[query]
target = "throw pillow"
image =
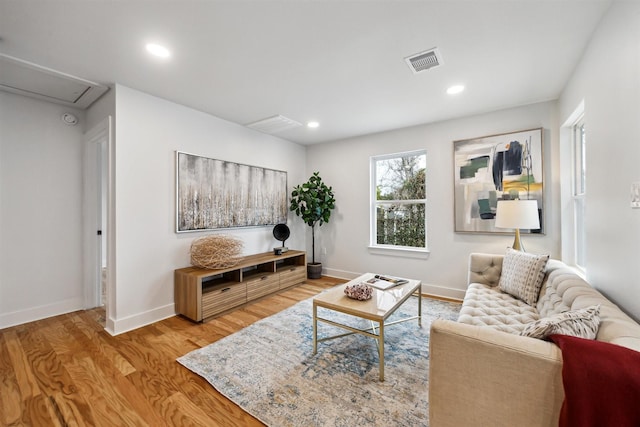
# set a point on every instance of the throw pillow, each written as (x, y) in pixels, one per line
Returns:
(582, 323)
(522, 275)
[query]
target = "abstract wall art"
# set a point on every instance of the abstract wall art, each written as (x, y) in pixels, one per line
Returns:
(496, 167)
(213, 194)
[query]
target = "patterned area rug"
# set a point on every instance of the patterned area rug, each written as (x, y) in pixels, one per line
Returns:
(269, 370)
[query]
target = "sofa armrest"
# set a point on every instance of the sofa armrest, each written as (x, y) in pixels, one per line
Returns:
(485, 269)
(479, 376)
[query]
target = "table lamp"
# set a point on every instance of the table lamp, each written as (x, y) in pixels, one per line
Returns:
(517, 214)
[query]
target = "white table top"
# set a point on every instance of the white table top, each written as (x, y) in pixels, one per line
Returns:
(381, 305)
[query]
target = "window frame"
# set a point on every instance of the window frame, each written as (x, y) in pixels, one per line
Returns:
(387, 249)
(578, 190)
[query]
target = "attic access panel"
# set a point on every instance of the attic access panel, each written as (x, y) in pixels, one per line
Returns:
(274, 124)
(28, 79)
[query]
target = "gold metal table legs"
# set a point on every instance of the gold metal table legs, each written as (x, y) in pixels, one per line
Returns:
(369, 332)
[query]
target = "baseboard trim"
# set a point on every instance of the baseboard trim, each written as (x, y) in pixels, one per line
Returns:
(442, 292)
(135, 321)
(427, 288)
(340, 274)
(41, 312)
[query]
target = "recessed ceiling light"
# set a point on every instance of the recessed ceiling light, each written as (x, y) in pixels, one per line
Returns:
(453, 90)
(158, 50)
(313, 124)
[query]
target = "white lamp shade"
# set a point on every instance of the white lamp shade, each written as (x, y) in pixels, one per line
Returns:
(517, 214)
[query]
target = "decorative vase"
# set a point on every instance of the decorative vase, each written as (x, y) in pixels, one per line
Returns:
(314, 270)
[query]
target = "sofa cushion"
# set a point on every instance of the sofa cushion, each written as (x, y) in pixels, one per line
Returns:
(550, 302)
(522, 275)
(582, 323)
(485, 305)
(485, 269)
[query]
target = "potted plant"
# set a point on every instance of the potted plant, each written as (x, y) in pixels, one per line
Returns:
(313, 201)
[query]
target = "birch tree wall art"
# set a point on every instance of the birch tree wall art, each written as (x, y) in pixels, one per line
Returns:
(213, 194)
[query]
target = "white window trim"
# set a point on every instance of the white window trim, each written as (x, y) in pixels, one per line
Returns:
(392, 250)
(401, 251)
(567, 218)
(575, 194)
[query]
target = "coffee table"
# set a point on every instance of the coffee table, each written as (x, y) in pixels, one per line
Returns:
(377, 309)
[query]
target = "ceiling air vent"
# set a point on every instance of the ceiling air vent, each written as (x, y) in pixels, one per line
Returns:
(28, 79)
(274, 124)
(424, 61)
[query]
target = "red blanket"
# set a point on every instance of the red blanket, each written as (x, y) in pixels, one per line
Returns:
(601, 383)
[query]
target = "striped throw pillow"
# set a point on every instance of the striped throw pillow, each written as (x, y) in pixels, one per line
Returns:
(581, 323)
(522, 275)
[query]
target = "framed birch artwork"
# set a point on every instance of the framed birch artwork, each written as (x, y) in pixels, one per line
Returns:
(212, 194)
(496, 167)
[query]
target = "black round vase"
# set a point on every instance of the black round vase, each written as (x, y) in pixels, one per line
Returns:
(314, 270)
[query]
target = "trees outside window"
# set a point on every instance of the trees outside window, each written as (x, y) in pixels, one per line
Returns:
(399, 200)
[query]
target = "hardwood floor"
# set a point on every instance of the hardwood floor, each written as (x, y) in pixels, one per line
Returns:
(66, 370)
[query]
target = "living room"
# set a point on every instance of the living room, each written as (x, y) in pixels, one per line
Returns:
(148, 130)
(42, 219)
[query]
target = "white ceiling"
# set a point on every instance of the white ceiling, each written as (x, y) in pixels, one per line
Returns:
(338, 62)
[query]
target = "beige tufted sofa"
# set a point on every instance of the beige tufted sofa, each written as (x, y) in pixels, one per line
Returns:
(482, 373)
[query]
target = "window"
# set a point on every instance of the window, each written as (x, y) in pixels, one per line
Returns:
(579, 190)
(399, 201)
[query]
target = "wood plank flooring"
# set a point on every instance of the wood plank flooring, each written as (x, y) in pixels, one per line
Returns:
(67, 371)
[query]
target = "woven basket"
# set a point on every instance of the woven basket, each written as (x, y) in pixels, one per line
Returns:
(217, 251)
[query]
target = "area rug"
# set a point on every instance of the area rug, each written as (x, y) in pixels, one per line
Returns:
(269, 369)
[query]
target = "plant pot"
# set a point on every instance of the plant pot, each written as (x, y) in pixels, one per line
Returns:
(314, 270)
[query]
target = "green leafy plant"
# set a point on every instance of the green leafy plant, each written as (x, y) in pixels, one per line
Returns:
(313, 201)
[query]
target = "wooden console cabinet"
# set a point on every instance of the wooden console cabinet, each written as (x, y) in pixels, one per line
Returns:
(201, 293)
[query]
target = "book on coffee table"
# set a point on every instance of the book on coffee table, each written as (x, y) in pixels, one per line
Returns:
(385, 282)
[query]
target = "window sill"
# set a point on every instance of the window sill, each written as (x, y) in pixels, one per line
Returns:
(405, 252)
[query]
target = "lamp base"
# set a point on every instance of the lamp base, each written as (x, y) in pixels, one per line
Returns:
(517, 244)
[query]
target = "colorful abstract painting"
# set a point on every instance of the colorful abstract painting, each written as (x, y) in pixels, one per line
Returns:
(496, 167)
(214, 194)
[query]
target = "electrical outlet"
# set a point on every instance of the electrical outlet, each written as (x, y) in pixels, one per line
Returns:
(324, 251)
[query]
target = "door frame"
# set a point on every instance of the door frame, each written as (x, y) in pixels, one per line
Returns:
(97, 149)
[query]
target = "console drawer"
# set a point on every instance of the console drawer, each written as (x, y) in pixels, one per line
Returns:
(223, 297)
(292, 275)
(261, 284)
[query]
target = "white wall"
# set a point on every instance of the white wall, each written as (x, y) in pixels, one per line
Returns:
(40, 210)
(608, 80)
(148, 132)
(345, 166)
